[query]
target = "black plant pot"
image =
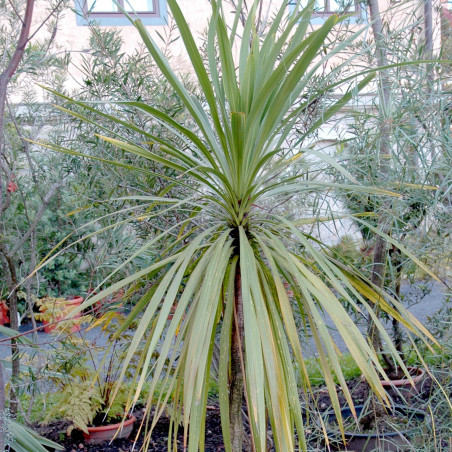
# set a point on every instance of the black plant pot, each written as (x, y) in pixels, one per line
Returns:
(374, 442)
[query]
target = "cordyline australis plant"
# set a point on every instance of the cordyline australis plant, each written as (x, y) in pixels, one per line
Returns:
(228, 273)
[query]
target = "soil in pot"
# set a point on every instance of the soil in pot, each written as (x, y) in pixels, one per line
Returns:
(392, 433)
(75, 442)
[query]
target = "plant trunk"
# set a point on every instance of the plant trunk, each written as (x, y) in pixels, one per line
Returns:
(15, 361)
(8, 73)
(397, 265)
(29, 286)
(2, 410)
(236, 378)
(379, 257)
(7, 260)
(377, 277)
(9, 269)
(428, 32)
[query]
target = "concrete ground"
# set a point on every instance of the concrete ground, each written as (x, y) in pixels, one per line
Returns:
(422, 301)
(421, 306)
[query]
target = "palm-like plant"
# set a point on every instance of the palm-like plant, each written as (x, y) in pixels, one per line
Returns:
(229, 268)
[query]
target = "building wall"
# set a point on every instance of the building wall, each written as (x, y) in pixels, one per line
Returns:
(74, 37)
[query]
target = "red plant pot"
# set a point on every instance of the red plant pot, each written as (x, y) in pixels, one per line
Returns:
(72, 303)
(97, 307)
(3, 313)
(47, 327)
(100, 307)
(97, 435)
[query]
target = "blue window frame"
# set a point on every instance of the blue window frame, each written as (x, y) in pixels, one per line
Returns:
(106, 12)
(325, 8)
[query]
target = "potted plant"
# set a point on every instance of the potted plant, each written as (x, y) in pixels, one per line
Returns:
(232, 252)
(52, 312)
(86, 389)
(85, 400)
(391, 143)
(398, 384)
(392, 435)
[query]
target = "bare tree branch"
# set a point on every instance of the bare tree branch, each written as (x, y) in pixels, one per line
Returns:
(17, 14)
(46, 19)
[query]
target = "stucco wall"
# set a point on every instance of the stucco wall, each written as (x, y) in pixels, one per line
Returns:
(74, 37)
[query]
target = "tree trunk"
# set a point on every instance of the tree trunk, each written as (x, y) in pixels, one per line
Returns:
(236, 378)
(428, 31)
(15, 362)
(377, 277)
(9, 270)
(16, 57)
(397, 330)
(379, 257)
(29, 287)
(2, 410)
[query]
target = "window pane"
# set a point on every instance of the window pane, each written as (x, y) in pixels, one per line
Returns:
(97, 6)
(334, 5)
(319, 6)
(304, 3)
(343, 5)
(139, 5)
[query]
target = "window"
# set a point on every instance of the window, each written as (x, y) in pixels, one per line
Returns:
(106, 12)
(325, 8)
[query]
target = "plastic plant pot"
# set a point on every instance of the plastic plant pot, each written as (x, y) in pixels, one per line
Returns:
(393, 441)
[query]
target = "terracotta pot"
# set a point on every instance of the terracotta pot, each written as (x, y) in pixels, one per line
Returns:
(74, 301)
(71, 303)
(367, 442)
(3, 313)
(172, 312)
(99, 308)
(97, 435)
(403, 386)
